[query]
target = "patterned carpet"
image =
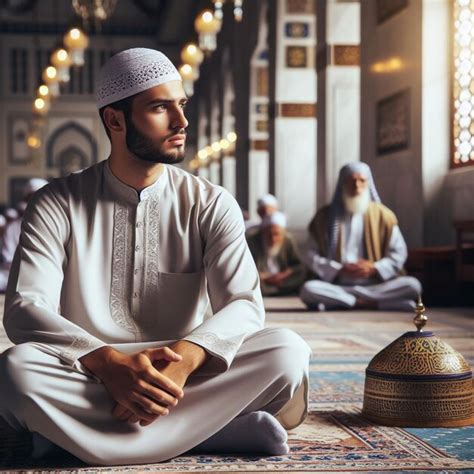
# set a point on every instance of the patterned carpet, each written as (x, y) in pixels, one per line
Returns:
(335, 438)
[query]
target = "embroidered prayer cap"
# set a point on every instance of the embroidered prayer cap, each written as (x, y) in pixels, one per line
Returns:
(276, 218)
(133, 71)
(337, 210)
(267, 200)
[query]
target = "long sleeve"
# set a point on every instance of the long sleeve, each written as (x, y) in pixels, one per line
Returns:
(325, 268)
(392, 263)
(35, 283)
(232, 283)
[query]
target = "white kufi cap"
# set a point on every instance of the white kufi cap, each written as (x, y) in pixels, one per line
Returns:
(267, 200)
(276, 218)
(132, 71)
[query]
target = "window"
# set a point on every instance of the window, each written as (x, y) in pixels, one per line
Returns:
(463, 84)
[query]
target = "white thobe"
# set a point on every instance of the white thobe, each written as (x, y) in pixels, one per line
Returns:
(100, 264)
(388, 289)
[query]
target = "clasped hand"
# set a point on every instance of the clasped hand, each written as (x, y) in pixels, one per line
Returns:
(142, 392)
(361, 269)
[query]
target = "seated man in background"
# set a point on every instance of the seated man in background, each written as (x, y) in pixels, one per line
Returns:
(274, 251)
(11, 234)
(266, 206)
(357, 250)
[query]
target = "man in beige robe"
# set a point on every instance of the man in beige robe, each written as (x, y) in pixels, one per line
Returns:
(357, 250)
(114, 360)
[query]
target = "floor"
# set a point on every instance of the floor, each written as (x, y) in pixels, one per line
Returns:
(344, 342)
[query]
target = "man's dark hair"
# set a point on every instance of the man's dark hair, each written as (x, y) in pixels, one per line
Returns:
(124, 105)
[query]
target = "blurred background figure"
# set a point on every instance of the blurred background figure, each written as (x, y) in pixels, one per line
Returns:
(357, 250)
(11, 234)
(276, 256)
(266, 206)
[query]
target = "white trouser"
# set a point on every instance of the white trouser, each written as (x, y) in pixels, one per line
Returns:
(73, 410)
(391, 294)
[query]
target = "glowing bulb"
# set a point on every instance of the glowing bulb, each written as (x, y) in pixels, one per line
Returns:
(191, 49)
(43, 90)
(40, 104)
(224, 144)
(207, 17)
(202, 154)
(51, 72)
(75, 33)
(62, 55)
(232, 137)
(209, 150)
(33, 141)
(216, 146)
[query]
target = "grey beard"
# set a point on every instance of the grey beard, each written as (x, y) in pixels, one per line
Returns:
(357, 204)
(145, 149)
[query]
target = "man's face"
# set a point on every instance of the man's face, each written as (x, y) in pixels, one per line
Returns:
(266, 210)
(274, 235)
(156, 126)
(355, 184)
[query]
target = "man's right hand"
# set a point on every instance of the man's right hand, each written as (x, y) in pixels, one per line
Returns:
(132, 380)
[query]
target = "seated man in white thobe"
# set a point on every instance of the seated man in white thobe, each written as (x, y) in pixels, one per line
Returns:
(357, 250)
(276, 256)
(11, 234)
(114, 360)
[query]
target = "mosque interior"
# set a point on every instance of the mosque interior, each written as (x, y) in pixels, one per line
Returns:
(283, 94)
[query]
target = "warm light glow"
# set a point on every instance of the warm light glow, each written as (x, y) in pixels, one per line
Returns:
(390, 65)
(43, 90)
(216, 147)
(209, 150)
(463, 83)
(51, 72)
(191, 49)
(33, 141)
(194, 164)
(202, 154)
(232, 137)
(192, 55)
(62, 55)
(207, 16)
(224, 144)
(40, 104)
(75, 33)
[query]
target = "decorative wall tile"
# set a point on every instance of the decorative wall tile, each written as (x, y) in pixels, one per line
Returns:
(259, 145)
(301, 6)
(262, 81)
(296, 29)
(296, 56)
(297, 110)
(261, 109)
(261, 125)
(346, 55)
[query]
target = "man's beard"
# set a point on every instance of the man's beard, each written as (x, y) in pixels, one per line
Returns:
(357, 204)
(144, 148)
(272, 251)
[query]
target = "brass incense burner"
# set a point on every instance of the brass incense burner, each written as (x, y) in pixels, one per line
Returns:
(419, 381)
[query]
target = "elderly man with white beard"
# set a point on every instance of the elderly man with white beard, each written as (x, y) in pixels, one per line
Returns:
(357, 250)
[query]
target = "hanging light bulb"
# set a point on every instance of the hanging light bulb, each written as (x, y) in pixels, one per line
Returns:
(238, 10)
(61, 60)
(50, 78)
(207, 26)
(76, 41)
(41, 106)
(191, 54)
(218, 12)
(189, 75)
(232, 137)
(43, 91)
(33, 140)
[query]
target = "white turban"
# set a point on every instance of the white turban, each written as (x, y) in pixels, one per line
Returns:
(267, 200)
(11, 213)
(276, 218)
(33, 185)
(132, 71)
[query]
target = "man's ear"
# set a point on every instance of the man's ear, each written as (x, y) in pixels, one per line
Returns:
(114, 119)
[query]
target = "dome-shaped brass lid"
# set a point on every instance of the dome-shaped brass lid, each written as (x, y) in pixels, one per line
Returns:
(418, 355)
(419, 380)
